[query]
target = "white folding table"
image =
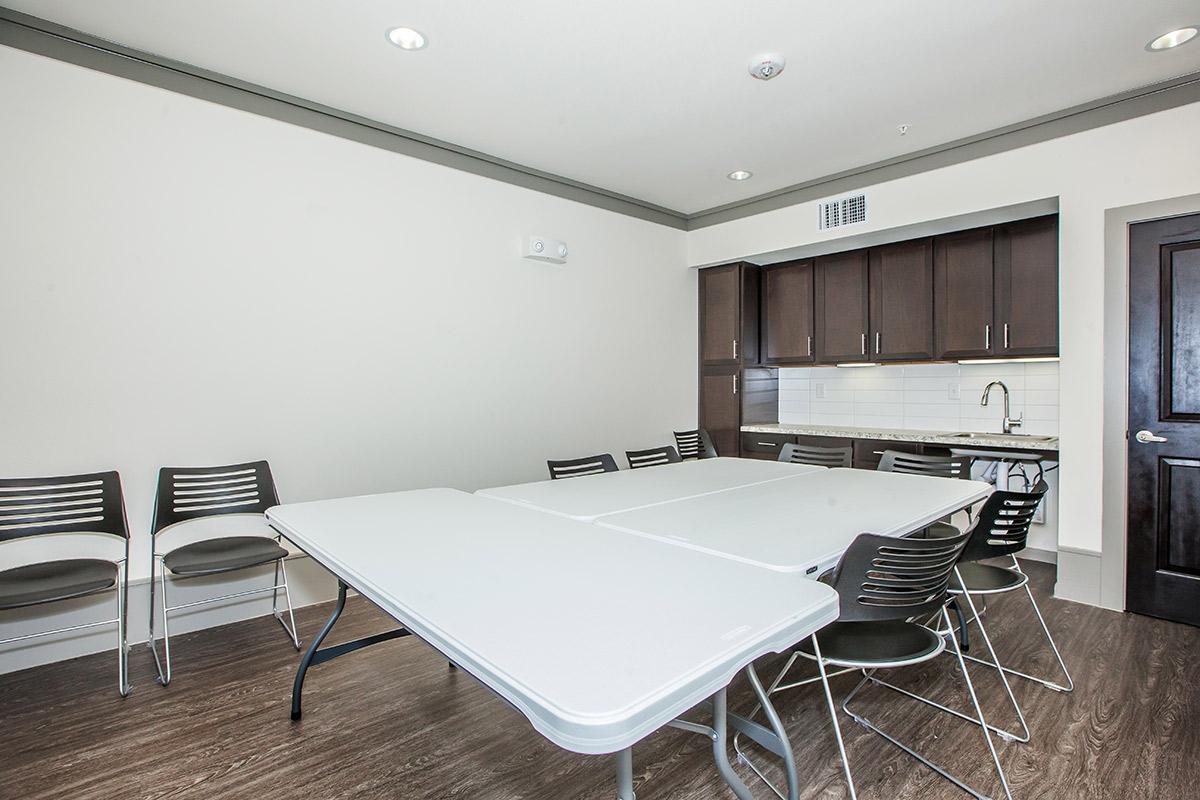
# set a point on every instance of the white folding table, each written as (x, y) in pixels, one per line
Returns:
(801, 524)
(597, 637)
(586, 499)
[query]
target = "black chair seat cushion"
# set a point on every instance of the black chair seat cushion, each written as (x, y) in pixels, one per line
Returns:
(55, 580)
(875, 643)
(223, 555)
(984, 578)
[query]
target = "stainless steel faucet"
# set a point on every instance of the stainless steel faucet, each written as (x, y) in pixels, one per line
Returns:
(1009, 422)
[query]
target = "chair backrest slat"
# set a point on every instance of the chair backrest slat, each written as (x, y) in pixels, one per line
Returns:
(816, 456)
(653, 457)
(887, 578)
(186, 493)
(694, 444)
(579, 467)
(91, 503)
(1002, 525)
(948, 466)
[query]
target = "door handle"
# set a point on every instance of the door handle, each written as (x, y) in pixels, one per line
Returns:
(735, 384)
(1146, 437)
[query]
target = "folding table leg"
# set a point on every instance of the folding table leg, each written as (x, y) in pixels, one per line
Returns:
(306, 662)
(625, 775)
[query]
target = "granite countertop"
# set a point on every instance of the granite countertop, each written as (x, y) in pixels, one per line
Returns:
(994, 440)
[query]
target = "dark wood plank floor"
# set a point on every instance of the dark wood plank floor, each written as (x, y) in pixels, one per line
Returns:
(394, 722)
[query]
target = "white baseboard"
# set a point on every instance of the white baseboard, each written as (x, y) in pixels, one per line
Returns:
(1078, 576)
(1038, 554)
(308, 583)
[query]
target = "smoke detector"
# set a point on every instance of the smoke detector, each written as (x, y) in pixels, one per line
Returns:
(767, 66)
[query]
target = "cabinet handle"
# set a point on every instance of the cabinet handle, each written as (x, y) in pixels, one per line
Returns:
(735, 348)
(735, 384)
(769, 444)
(877, 335)
(1006, 336)
(864, 343)
(810, 345)
(987, 337)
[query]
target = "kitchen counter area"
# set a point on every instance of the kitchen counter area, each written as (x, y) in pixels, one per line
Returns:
(1002, 441)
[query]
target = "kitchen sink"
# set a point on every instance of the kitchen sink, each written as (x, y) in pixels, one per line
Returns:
(1029, 436)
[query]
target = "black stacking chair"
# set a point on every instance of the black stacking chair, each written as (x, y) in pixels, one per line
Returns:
(81, 506)
(884, 584)
(1000, 531)
(816, 456)
(186, 494)
(694, 444)
(578, 467)
(948, 466)
(653, 457)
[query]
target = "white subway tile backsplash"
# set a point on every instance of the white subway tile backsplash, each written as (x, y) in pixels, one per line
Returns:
(921, 396)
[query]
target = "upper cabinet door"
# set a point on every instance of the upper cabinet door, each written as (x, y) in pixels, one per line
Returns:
(901, 280)
(962, 295)
(1027, 288)
(720, 314)
(788, 313)
(841, 307)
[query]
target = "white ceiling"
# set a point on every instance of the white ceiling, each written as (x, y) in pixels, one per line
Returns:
(652, 99)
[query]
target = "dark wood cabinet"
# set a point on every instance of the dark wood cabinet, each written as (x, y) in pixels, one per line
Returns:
(729, 315)
(733, 389)
(721, 407)
(841, 307)
(787, 313)
(962, 295)
(901, 301)
(720, 314)
(1026, 288)
(764, 446)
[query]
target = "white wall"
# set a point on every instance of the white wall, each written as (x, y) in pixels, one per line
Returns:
(182, 283)
(1143, 159)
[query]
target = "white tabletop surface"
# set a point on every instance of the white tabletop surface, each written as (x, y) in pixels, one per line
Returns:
(594, 496)
(598, 637)
(801, 524)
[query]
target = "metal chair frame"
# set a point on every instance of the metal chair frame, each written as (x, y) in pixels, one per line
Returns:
(165, 519)
(1000, 529)
(882, 578)
(74, 516)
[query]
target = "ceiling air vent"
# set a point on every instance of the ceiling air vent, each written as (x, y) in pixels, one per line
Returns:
(841, 211)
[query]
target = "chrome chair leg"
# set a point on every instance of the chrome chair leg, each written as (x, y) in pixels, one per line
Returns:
(1005, 734)
(280, 567)
(163, 666)
(1049, 684)
(980, 720)
(837, 728)
(122, 588)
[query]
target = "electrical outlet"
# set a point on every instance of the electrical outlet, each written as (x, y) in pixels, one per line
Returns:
(819, 391)
(1039, 516)
(952, 391)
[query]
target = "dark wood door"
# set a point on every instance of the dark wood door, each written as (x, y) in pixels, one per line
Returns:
(720, 314)
(962, 294)
(1163, 552)
(901, 307)
(1026, 281)
(788, 313)
(841, 307)
(721, 409)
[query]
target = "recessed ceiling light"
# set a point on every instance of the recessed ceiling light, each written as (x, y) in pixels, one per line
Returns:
(740, 175)
(407, 38)
(1172, 39)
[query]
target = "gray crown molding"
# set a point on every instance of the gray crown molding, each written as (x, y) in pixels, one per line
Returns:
(35, 35)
